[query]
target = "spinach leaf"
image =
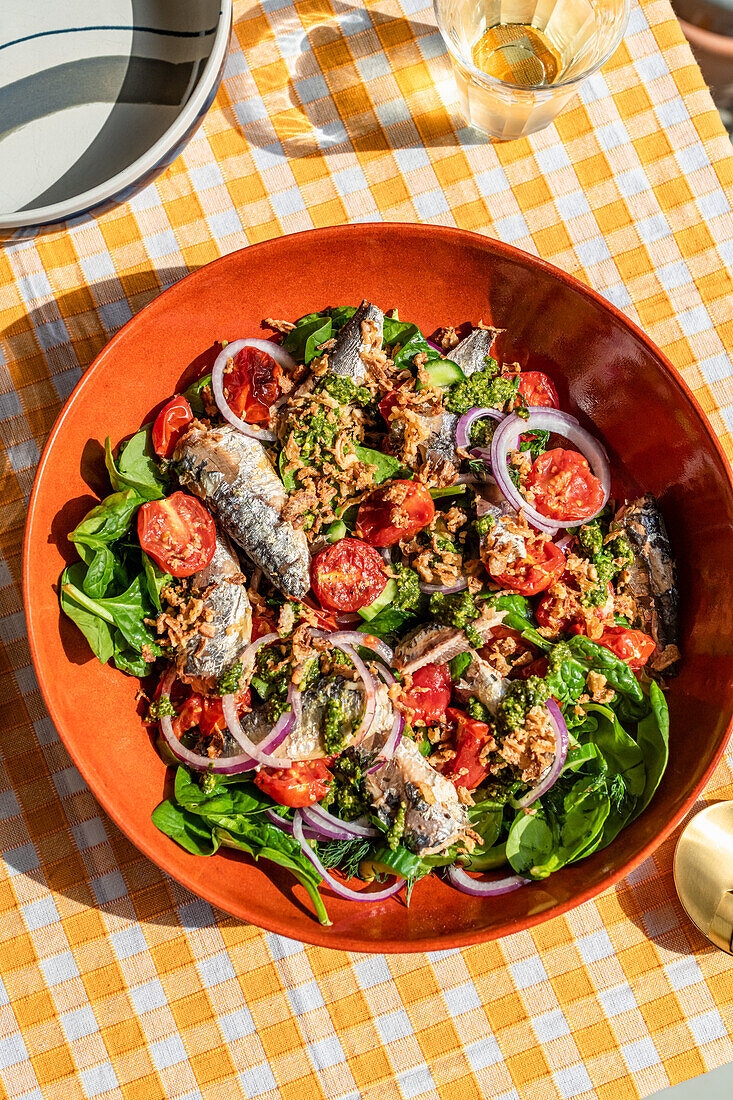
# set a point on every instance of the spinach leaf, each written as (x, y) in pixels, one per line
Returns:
(286, 476)
(155, 580)
(128, 659)
(448, 491)
(194, 395)
(390, 623)
(566, 827)
(617, 672)
(185, 828)
(108, 521)
(386, 465)
(514, 603)
(652, 734)
(303, 341)
(97, 631)
(270, 843)
(565, 678)
(623, 762)
(414, 343)
(340, 315)
(100, 569)
(219, 799)
(397, 332)
(127, 612)
(136, 467)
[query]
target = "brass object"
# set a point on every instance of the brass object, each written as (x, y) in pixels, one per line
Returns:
(703, 873)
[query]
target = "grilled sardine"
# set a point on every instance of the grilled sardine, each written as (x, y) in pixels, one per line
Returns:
(353, 341)
(233, 475)
(652, 577)
(471, 353)
(434, 816)
(482, 681)
(223, 591)
(437, 645)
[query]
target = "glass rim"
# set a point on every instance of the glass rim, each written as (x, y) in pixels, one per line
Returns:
(481, 77)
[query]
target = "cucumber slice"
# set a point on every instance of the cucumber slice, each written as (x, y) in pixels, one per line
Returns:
(384, 599)
(441, 372)
(336, 531)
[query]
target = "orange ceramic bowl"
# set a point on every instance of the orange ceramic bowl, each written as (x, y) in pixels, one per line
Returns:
(607, 372)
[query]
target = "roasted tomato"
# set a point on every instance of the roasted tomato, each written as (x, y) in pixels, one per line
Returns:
(177, 533)
(396, 512)
(170, 424)
(633, 646)
(261, 625)
(537, 388)
(538, 667)
(306, 782)
(561, 610)
(387, 403)
(206, 712)
(564, 486)
(544, 565)
(430, 692)
(347, 575)
(509, 644)
(471, 739)
(252, 384)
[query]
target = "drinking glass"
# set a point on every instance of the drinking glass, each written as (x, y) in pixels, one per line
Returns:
(517, 62)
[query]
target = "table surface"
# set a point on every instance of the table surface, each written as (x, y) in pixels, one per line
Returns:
(116, 981)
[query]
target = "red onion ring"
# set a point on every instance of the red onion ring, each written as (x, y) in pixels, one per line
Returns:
(248, 654)
(275, 737)
(356, 638)
(447, 588)
(506, 438)
(390, 746)
(564, 542)
(217, 383)
(434, 345)
(335, 885)
(561, 751)
(480, 888)
(352, 828)
(464, 425)
(287, 826)
(223, 765)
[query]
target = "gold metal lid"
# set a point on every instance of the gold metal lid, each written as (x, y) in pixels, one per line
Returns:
(703, 873)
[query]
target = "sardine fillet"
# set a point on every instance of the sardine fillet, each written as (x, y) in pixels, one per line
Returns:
(233, 475)
(224, 594)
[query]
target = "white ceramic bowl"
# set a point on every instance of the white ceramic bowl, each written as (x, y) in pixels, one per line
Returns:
(97, 97)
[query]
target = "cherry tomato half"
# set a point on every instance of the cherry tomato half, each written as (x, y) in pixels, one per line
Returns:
(206, 712)
(252, 384)
(170, 424)
(537, 388)
(347, 575)
(397, 511)
(177, 533)
(306, 782)
(564, 486)
(544, 565)
(466, 769)
(430, 692)
(632, 646)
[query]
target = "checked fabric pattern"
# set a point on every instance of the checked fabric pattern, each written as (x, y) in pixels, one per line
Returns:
(117, 983)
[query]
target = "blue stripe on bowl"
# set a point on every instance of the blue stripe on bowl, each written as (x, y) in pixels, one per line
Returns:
(110, 27)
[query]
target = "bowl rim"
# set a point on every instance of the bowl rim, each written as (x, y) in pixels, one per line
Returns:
(316, 935)
(196, 104)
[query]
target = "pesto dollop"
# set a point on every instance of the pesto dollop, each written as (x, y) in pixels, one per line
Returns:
(346, 797)
(484, 389)
(160, 707)
(228, 682)
(458, 610)
(520, 697)
(609, 559)
(408, 588)
(343, 390)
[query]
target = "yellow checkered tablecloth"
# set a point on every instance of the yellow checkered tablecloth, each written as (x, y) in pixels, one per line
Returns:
(116, 982)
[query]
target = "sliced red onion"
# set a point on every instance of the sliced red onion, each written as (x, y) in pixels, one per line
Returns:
(506, 438)
(348, 617)
(481, 888)
(248, 654)
(434, 345)
(370, 698)
(336, 886)
(386, 553)
(287, 826)
(564, 542)
(447, 588)
(217, 385)
(352, 828)
(390, 746)
(223, 765)
(276, 736)
(325, 830)
(356, 638)
(464, 425)
(561, 751)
